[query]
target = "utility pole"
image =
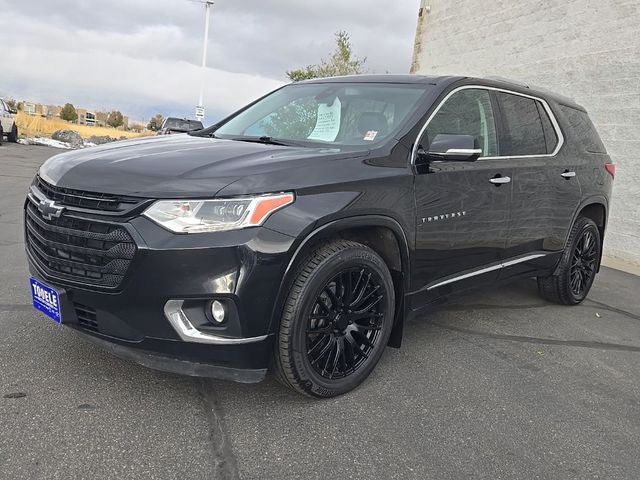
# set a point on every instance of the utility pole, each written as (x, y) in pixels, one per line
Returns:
(200, 106)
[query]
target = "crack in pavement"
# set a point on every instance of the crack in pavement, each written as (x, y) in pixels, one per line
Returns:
(488, 306)
(225, 467)
(541, 341)
(605, 306)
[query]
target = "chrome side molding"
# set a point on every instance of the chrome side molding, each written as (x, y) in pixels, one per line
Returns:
(484, 270)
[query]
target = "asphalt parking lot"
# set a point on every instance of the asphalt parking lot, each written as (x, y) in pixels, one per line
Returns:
(497, 385)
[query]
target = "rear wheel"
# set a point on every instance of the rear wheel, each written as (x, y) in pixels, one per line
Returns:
(577, 268)
(13, 134)
(1, 134)
(336, 321)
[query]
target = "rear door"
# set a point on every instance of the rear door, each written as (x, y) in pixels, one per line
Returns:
(545, 188)
(462, 213)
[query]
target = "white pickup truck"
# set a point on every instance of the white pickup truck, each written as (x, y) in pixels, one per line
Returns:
(8, 125)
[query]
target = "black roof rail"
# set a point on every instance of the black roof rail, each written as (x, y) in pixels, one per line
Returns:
(508, 80)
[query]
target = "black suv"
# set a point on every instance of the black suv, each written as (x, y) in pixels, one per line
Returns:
(179, 125)
(302, 231)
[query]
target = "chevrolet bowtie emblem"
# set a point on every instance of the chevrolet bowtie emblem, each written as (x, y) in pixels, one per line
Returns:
(48, 209)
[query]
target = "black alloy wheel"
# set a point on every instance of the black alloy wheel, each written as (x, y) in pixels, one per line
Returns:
(336, 320)
(583, 263)
(578, 266)
(345, 322)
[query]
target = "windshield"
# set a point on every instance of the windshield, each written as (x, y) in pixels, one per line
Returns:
(329, 113)
(185, 125)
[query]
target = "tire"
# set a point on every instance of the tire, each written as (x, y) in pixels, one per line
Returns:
(13, 135)
(578, 266)
(320, 315)
(1, 134)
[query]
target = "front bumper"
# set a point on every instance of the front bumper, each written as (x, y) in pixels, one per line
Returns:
(181, 365)
(243, 269)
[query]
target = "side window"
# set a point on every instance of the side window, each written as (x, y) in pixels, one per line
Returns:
(467, 112)
(550, 135)
(522, 132)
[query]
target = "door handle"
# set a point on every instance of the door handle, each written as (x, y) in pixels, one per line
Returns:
(567, 174)
(500, 180)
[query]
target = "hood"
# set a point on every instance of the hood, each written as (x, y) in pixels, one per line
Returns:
(177, 166)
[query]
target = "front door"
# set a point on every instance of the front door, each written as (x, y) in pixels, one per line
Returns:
(462, 210)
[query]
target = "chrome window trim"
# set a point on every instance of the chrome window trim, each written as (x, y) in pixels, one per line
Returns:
(552, 117)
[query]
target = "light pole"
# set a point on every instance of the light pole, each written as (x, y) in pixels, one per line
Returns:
(200, 106)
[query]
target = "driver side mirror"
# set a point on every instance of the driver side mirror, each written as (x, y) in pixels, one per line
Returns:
(13, 111)
(451, 148)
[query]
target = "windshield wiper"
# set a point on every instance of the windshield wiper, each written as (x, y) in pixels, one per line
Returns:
(264, 139)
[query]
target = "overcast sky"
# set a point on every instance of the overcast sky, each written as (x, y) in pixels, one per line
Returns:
(143, 56)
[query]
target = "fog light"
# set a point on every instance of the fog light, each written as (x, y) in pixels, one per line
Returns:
(217, 311)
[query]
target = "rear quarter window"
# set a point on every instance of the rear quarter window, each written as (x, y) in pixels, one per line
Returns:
(584, 132)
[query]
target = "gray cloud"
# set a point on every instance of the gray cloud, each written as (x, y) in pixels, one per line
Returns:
(139, 53)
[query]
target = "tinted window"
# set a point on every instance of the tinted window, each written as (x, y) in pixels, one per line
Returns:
(467, 112)
(584, 130)
(550, 135)
(522, 132)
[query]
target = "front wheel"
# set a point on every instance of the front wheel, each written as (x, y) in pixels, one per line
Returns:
(577, 268)
(336, 321)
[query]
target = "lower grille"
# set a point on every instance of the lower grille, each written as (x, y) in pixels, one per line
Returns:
(86, 317)
(80, 250)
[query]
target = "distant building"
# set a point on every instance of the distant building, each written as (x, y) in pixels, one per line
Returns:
(85, 117)
(53, 111)
(29, 108)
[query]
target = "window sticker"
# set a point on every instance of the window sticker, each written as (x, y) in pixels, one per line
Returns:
(327, 122)
(370, 135)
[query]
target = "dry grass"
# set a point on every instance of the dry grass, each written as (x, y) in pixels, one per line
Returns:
(36, 126)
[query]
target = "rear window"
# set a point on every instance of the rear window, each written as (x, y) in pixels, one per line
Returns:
(583, 129)
(522, 131)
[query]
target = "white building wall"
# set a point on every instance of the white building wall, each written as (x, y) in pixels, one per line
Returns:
(587, 50)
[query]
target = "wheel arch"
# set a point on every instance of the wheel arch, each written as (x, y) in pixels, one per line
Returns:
(595, 208)
(381, 233)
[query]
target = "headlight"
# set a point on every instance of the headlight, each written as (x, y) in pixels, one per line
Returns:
(195, 216)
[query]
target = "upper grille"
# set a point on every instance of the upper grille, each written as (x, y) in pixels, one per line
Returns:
(90, 200)
(79, 249)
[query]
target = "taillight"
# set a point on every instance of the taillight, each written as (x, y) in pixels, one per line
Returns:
(611, 169)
